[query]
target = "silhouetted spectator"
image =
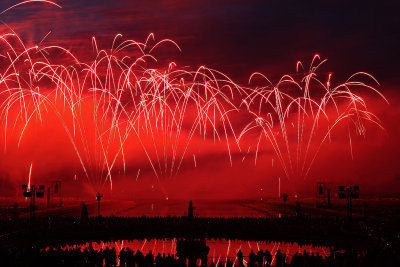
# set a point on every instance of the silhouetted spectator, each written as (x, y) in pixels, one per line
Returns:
(149, 259)
(130, 258)
(252, 259)
(158, 259)
(239, 256)
(122, 258)
(279, 258)
(268, 257)
(84, 212)
(139, 258)
(229, 263)
(260, 258)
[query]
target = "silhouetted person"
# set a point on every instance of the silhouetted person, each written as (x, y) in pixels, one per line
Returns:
(130, 258)
(122, 258)
(149, 259)
(252, 259)
(229, 263)
(190, 210)
(113, 257)
(107, 260)
(279, 258)
(139, 258)
(240, 258)
(84, 212)
(100, 258)
(260, 258)
(204, 255)
(268, 257)
(158, 259)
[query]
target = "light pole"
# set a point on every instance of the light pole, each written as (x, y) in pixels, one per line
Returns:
(350, 193)
(33, 193)
(98, 198)
(284, 197)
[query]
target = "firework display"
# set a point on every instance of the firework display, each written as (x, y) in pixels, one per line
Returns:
(124, 94)
(167, 107)
(293, 113)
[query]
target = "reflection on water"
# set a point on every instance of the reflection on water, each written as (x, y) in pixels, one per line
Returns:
(220, 249)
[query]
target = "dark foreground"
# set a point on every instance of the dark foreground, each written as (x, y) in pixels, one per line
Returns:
(60, 236)
(128, 258)
(356, 242)
(339, 233)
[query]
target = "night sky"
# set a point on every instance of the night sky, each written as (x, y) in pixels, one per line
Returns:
(236, 38)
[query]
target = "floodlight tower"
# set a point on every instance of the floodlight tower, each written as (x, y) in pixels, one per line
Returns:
(350, 193)
(323, 195)
(33, 192)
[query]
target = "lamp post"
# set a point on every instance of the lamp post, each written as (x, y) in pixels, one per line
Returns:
(284, 197)
(98, 198)
(33, 192)
(350, 193)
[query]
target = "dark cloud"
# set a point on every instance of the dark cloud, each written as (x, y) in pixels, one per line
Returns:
(238, 37)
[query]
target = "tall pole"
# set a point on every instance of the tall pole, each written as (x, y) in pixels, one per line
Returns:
(349, 206)
(98, 197)
(32, 214)
(285, 196)
(33, 198)
(32, 191)
(98, 207)
(279, 187)
(349, 193)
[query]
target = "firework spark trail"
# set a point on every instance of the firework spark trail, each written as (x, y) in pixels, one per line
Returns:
(169, 106)
(30, 1)
(234, 262)
(161, 100)
(227, 252)
(304, 105)
(21, 90)
(29, 177)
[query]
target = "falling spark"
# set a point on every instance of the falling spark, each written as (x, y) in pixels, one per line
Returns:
(227, 251)
(137, 176)
(351, 147)
(29, 177)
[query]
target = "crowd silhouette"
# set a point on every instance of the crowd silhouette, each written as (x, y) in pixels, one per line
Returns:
(68, 230)
(126, 257)
(360, 242)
